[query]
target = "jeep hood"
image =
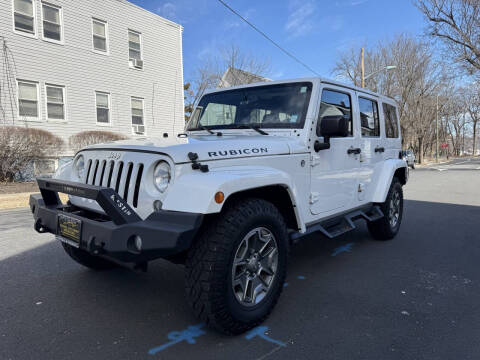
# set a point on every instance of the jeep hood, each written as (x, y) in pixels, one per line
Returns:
(208, 147)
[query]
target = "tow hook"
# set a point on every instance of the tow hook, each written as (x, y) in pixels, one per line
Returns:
(39, 227)
(93, 247)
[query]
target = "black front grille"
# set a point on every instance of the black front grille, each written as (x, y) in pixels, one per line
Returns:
(124, 178)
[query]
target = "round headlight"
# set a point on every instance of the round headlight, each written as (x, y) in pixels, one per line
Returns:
(162, 175)
(79, 166)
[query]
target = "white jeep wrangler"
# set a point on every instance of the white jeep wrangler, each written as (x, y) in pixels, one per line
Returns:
(258, 167)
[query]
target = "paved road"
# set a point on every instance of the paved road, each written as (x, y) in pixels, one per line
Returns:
(416, 297)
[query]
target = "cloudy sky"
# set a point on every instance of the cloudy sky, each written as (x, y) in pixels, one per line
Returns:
(315, 31)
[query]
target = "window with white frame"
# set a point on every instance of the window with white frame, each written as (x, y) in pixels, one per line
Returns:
(27, 99)
(24, 16)
(52, 22)
(55, 102)
(138, 125)
(100, 34)
(135, 49)
(103, 107)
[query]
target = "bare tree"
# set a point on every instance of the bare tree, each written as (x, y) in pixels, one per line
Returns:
(456, 23)
(414, 84)
(209, 74)
(473, 107)
(455, 120)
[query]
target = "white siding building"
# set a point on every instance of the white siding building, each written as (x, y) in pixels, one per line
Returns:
(91, 65)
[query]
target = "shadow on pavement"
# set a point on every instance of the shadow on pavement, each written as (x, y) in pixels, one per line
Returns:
(54, 308)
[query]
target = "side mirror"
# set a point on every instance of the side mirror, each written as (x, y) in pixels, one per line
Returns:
(333, 126)
(330, 126)
(317, 146)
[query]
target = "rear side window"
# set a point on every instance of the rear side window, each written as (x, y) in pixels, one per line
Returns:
(369, 117)
(391, 121)
(336, 103)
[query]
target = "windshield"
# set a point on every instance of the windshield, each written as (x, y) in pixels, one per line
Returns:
(270, 106)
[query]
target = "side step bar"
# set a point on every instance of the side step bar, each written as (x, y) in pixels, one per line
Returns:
(338, 226)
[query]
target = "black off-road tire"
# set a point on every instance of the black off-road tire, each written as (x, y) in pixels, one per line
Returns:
(209, 266)
(383, 229)
(90, 261)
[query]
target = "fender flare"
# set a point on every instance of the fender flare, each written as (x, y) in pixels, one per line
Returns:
(384, 179)
(195, 191)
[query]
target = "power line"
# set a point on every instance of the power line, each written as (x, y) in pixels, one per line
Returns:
(269, 39)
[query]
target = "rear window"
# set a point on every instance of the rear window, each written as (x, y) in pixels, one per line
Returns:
(391, 121)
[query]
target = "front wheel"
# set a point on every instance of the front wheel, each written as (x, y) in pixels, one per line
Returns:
(387, 227)
(236, 269)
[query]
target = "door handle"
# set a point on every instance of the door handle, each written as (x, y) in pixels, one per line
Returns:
(380, 149)
(354, 151)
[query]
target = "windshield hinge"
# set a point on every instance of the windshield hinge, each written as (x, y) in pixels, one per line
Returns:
(195, 164)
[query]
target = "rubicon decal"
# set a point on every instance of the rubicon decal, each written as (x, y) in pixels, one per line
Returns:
(238, 152)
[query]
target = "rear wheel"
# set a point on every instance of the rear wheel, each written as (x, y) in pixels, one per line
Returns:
(387, 227)
(84, 258)
(236, 269)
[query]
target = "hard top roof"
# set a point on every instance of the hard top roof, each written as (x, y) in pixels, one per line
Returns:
(306, 79)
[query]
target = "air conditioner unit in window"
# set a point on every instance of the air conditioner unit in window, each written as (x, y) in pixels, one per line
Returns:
(137, 63)
(138, 129)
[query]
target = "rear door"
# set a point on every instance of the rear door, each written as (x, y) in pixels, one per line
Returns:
(372, 144)
(334, 172)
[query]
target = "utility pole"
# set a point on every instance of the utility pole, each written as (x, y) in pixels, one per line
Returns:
(362, 64)
(436, 133)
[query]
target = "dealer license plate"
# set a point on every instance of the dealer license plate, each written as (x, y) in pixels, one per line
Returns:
(69, 228)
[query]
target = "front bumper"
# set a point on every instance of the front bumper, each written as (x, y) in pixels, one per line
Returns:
(163, 233)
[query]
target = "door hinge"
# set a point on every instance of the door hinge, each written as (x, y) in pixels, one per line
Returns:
(314, 197)
(314, 160)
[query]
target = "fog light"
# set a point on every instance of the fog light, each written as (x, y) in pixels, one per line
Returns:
(157, 205)
(134, 244)
(138, 243)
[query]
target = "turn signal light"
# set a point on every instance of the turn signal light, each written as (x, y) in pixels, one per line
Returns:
(219, 197)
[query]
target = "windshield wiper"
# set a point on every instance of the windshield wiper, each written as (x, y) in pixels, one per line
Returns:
(206, 129)
(253, 127)
(201, 127)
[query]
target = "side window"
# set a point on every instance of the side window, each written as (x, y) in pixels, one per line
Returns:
(24, 16)
(369, 117)
(391, 121)
(28, 100)
(135, 49)
(55, 102)
(100, 35)
(138, 124)
(52, 22)
(103, 107)
(335, 103)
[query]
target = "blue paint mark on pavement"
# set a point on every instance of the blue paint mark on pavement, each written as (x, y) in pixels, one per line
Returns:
(344, 248)
(301, 277)
(260, 332)
(285, 284)
(175, 337)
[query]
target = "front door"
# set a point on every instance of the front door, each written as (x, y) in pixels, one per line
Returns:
(334, 172)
